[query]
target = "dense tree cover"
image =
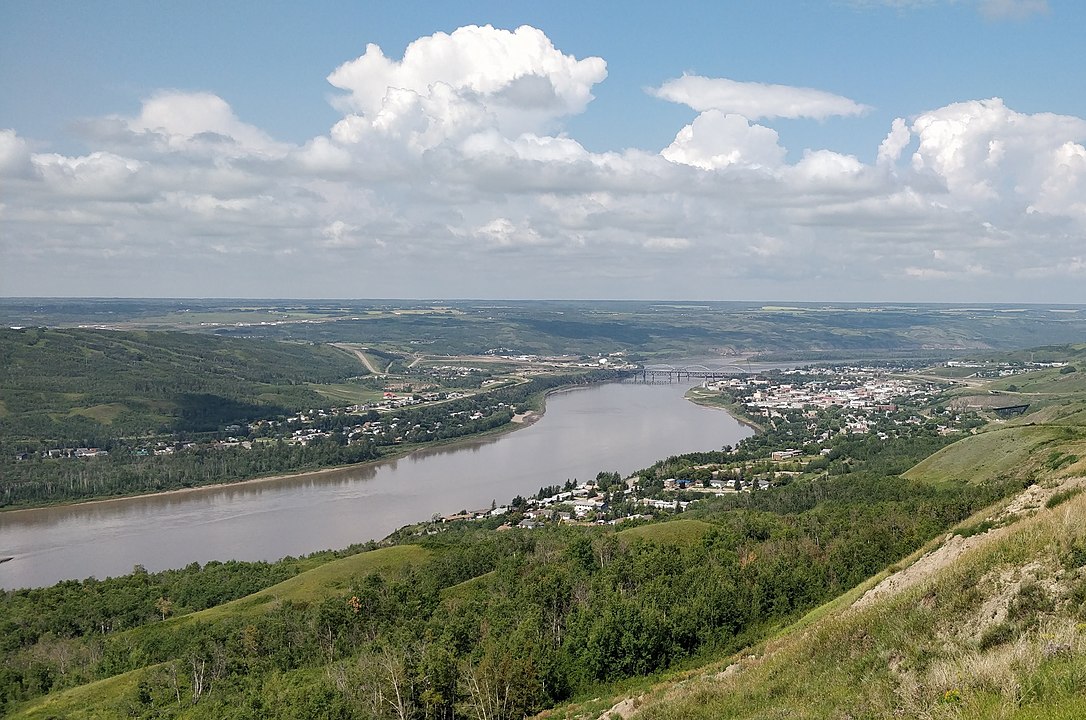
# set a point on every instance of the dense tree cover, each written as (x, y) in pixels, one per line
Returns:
(499, 624)
(83, 386)
(124, 472)
(73, 608)
(127, 470)
(52, 637)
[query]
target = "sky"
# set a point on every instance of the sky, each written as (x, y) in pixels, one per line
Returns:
(840, 150)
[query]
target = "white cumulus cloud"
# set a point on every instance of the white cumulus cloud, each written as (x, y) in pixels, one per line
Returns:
(989, 155)
(516, 80)
(717, 140)
(15, 158)
(193, 122)
(896, 141)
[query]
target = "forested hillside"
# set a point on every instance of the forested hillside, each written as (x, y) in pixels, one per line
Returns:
(985, 621)
(810, 331)
(159, 434)
(481, 623)
(81, 385)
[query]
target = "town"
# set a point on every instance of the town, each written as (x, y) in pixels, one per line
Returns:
(810, 419)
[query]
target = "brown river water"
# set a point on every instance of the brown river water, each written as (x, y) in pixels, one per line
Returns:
(616, 427)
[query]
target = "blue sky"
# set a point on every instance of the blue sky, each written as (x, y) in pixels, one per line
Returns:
(664, 156)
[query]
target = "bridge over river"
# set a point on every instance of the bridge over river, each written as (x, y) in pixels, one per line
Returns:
(671, 373)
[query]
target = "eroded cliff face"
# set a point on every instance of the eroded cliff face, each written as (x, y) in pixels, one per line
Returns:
(986, 621)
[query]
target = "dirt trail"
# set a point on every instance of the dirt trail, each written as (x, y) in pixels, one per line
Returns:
(362, 357)
(954, 546)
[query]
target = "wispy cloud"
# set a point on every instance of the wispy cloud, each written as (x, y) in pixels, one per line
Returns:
(1012, 9)
(756, 101)
(990, 9)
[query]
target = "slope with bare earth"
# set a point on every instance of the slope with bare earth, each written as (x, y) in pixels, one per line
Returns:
(986, 621)
(984, 627)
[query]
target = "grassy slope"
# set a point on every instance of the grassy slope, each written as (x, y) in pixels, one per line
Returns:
(995, 627)
(677, 532)
(932, 650)
(1006, 450)
(59, 383)
(319, 582)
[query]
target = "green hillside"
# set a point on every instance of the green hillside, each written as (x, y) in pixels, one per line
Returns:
(988, 621)
(987, 629)
(811, 331)
(73, 384)
(677, 532)
(320, 582)
(888, 583)
(451, 618)
(1020, 451)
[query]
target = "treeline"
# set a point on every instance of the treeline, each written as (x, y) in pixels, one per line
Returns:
(499, 625)
(81, 608)
(123, 472)
(127, 470)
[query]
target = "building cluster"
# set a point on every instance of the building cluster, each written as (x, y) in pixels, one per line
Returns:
(584, 503)
(818, 404)
(370, 422)
(848, 400)
(1001, 369)
(57, 453)
(845, 387)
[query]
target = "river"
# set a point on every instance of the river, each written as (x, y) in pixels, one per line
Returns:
(618, 426)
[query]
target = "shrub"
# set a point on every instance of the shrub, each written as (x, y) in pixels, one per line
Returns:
(1030, 600)
(977, 529)
(1064, 495)
(997, 635)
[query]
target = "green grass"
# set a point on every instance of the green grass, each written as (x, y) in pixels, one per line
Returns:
(348, 393)
(466, 589)
(1010, 451)
(104, 414)
(1045, 382)
(92, 701)
(320, 582)
(1062, 497)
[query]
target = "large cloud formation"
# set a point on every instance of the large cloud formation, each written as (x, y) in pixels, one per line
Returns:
(475, 77)
(450, 174)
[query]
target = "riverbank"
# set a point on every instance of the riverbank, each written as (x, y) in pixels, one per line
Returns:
(518, 421)
(619, 427)
(521, 420)
(699, 396)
